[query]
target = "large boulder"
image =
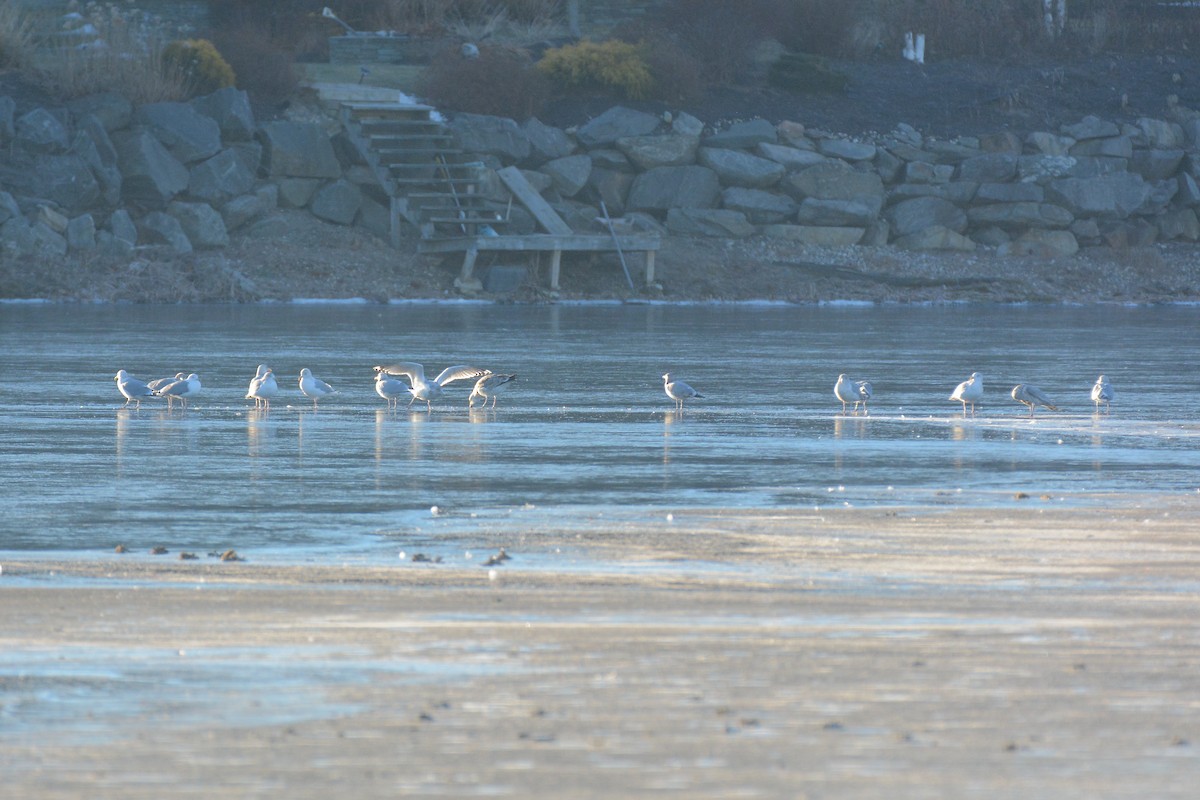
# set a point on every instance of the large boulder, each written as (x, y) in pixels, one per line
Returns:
(158, 227)
(735, 168)
(223, 176)
(1108, 147)
(569, 174)
(151, 176)
(1091, 127)
(112, 109)
(1009, 193)
(1008, 216)
(611, 187)
(990, 167)
(1115, 196)
(230, 109)
(616, 123)
(545, 141)
(1155, 165)
(1041, 244)
(717, 222)
(92, 144)
(846, 149)
(915, 215)
(81, 233)
(338, 202)
(792, 158)
(834, 213)
(201, 224)
(1161, 134)
(667, 150)
(743, 135)
(187, 134)
(489, 135)
(760, 207)
(936, 237)
(297, 150)
(65, 180)
(664, 188)
(241, 210)
(8, 207)
(834, 180)
(39, 131)
(1180, 223)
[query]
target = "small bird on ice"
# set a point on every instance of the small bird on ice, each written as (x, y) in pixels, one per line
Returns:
(132, 389)
(489, 385)
(969, 391)
(678, 391)
(263, 387)
(848, 391)
(1033, 397)
(314, 387)
(1102, 393)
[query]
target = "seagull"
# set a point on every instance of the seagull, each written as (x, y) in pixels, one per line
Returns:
(263, 387)
(969, 391)
(159, 383)
(1102, 393)
(678, 391)
(133, 389)
(182, 389)
(389, 388)
(314, 387)
(429, 391)
(1033, 397)
(848, 391)
(489, 385)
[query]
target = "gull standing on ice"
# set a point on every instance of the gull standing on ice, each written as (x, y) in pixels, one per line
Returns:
(969, 391)
(489, 385)
(133, 389)
(263, 387)
(159, 383)
(678, 391)
(389, 388)
(429, 391)
(314, 387)
(1102, 393)
(181, 389)
(1033, 397)
(848, 391)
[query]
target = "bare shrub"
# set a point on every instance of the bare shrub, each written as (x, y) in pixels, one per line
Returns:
(126, 57)
(16, 36)
(264, 69)
(501, 81)
(721, 36)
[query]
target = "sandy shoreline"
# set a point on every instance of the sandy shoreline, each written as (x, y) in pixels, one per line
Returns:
(1031, 652)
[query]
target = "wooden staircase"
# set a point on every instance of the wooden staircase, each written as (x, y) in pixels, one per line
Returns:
(430, 183)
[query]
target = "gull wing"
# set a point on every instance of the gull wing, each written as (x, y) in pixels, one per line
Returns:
(1040, 397)
(410, 369)
(451, 374)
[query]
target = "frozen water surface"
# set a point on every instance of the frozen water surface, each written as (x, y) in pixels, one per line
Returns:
(585, 429)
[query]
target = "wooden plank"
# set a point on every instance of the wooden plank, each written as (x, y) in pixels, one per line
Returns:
(546, 216)
(637, 242)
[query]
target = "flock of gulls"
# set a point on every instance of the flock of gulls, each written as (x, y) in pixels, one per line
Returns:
(489, 385)
(264, 386)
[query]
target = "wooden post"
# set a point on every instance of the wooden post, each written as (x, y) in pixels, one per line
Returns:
(468, 266)
(555, 265)
(394, 222)
(649, 267)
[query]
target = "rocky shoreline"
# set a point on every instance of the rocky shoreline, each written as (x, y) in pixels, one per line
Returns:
(197, 202)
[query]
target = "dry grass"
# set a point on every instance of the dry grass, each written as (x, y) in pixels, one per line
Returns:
(125, 57)
(16, 36)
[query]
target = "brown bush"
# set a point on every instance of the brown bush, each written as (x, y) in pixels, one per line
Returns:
(501, 81)
(263, 69)
(719, 35)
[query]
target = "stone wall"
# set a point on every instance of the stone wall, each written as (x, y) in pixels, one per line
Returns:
(1047, 193)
